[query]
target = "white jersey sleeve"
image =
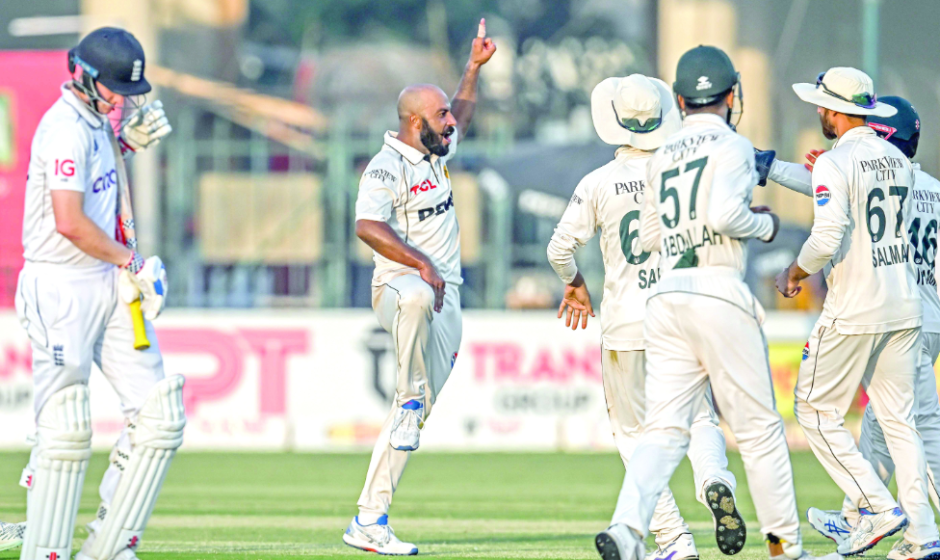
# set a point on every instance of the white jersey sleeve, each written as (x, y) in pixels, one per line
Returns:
(378, 192)
(793, 176)
(577, 226)
(831, 216)
(650, 233)
(729, 210)
(64, 160)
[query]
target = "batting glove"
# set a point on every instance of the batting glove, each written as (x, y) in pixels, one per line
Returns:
(145, 128)
(148, 281)
(763, 160)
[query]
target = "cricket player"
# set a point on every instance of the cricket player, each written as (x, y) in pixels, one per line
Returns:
(869, 331)
(637, 114)
(703, 324)
(72, 299)
(405, 212)
(921, 216)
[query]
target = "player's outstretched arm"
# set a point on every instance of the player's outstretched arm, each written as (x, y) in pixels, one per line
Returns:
(384, 241)
(74, 225)
(465, 100)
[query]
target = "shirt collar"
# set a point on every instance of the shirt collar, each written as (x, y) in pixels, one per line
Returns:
(93, 119)
(409, 153)
(704, 118)
(858, 132)
(630, 152)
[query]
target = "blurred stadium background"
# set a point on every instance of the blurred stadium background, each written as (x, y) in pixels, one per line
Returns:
(277, 106)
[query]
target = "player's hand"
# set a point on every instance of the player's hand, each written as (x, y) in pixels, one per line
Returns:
(774, 217)
(148, 281)
(577, 302)
(811, 158)
(787, 286)
(429, 274)
(483, 47)
(146, 128)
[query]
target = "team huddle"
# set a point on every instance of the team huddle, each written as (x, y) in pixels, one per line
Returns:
(681, 331)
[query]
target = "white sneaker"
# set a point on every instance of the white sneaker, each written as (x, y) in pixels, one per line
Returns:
(807, 556)
(680, 548)
(906, 550)
(730, 531)
(11, 535)
(407, 426)
(830, 524)
(619, 542)
(871, 529)
(378, 537)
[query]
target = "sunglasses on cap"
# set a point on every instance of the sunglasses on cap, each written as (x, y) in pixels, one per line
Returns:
(633, 125)
(864, 100)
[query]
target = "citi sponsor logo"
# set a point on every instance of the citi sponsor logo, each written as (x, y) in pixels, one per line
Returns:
(438, 210)
(423, 186)
(104, 182)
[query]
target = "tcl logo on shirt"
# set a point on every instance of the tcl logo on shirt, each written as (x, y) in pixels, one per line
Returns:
(441, 208)
(104, 182)
(65, 167)
(423, 186)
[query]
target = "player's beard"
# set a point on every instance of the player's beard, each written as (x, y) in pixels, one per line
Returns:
(433, 141)
(828, 130)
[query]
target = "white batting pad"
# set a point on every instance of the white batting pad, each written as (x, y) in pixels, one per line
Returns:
(56, 473)
(155, 438)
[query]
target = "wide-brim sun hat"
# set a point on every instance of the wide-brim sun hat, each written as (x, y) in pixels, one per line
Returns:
(636, 111)
(844, 90)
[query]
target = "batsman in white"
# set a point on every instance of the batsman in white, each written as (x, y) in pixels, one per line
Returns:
(72, 299)
(703, 324)
(921, 212)
(405, 213)
(637, 114)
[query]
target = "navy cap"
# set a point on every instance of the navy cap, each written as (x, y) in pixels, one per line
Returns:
(902, 129)
(114, 58)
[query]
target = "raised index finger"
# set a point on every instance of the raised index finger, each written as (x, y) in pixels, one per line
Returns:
(481, 30)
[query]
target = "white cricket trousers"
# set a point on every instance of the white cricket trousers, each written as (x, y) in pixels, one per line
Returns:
(691, 340)
(885, 364)
(872, 442)
(624, 387)
(74, 318)
(426, 345)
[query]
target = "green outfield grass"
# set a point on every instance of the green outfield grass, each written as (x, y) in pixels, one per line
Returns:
(261, 506)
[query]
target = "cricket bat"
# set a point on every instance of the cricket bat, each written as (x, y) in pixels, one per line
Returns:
(128, 235)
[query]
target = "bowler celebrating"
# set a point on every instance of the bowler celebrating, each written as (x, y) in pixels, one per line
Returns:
(405, 212)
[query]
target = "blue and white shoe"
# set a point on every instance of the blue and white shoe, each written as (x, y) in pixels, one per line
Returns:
(830, 524)
(406, 429)
(378, 537)
(906, 550)
(871, 529)
(619, 542)
(680, 548)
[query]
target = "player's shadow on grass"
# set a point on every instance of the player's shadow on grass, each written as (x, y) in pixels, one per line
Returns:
(514, 539)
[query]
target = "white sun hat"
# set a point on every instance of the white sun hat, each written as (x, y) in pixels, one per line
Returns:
(635, 111)
(846, 90)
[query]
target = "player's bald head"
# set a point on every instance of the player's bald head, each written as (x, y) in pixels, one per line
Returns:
(421, 100)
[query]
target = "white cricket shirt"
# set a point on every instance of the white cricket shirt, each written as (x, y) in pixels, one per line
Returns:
(921, 216)
(697, 211)
(70, 151)
(411, 192)
(609, 200)
(861, 188)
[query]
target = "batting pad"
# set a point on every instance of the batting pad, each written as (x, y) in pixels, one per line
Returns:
(56, 473)
(155, 438)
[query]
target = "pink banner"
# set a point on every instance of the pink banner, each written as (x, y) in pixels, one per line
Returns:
(29, 85)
